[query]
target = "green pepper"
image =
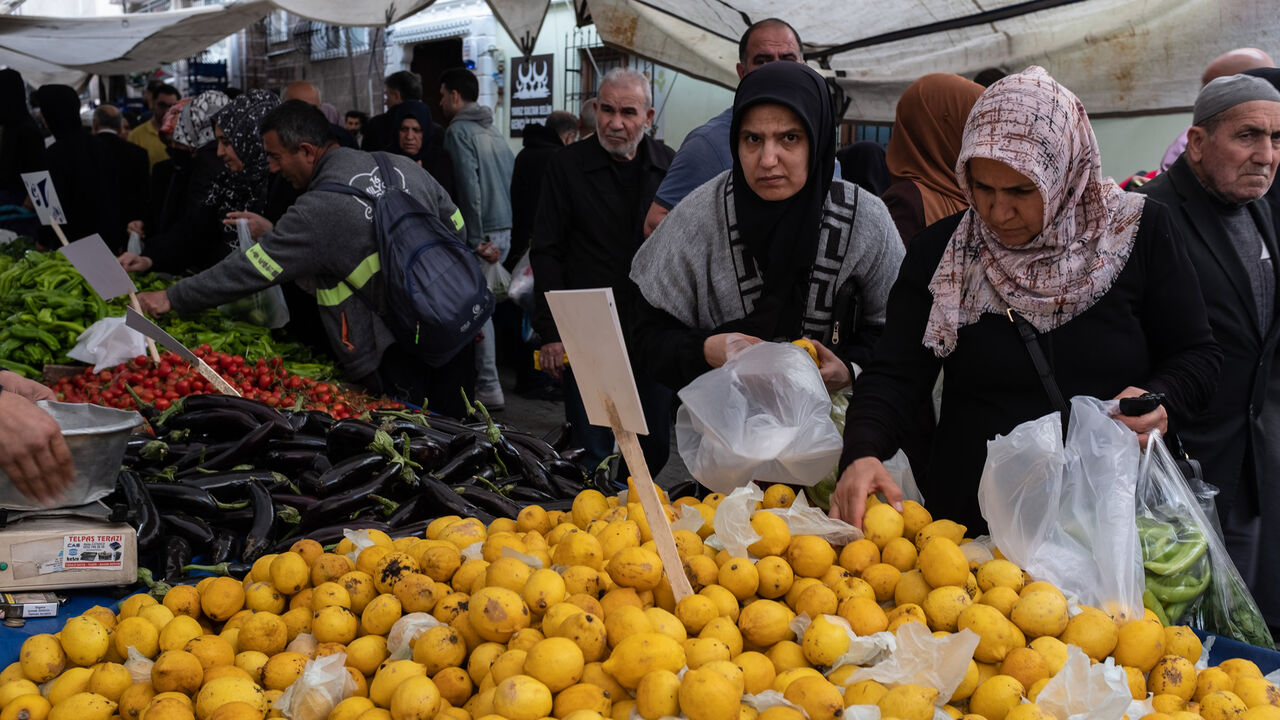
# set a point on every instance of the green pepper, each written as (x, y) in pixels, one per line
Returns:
(20, 368)
(1176, 593)
(1150, 602)
(1188, 553)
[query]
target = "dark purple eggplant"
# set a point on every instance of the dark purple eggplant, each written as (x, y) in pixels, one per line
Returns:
(262, 412)
(461, 442)
(243, 452)
(193, 500)
(352, 472)
(301, 502)
(529, 443)
(295, 462)
(311, 422)
(396, 426)
(143, 514)
(177, 552)
(405, 513)
(193, 528)
(226, 545)
(259, 537)
(215, 482)
(488, 500)
(335, 507)
(526, 495)
(428, 453)
(568, 470)
(536, 475)
(573, 455)
(559, 438)
(221, 423)
(314, 443)
(440, 499)
(464, 464)
(351, 436)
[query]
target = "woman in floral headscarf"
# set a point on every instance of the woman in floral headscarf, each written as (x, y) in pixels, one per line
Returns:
(184, 233)
(1113, 301)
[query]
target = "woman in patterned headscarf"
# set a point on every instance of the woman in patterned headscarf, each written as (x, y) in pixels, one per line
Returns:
(1113, 301)
(188, 233)
(243, 186)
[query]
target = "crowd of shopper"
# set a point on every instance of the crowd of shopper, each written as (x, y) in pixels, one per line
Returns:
(989, 261)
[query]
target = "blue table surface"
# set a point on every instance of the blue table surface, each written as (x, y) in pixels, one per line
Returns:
(78, 601)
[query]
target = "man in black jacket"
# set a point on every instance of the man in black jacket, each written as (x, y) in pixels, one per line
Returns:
(1213, 189)
(127, 200)
(588, 228)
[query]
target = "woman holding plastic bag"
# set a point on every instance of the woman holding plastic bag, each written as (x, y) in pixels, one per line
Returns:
(773, 249)
(206, 236)
(1108, 296)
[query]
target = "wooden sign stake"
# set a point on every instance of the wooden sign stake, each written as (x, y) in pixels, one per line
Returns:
(659, 526)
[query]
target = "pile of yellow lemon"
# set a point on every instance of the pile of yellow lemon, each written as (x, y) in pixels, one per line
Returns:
(568, 615)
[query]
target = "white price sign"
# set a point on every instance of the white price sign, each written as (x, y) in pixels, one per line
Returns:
(44, 198)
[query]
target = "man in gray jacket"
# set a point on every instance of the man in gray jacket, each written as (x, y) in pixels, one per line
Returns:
(482, 164)
(326, 242)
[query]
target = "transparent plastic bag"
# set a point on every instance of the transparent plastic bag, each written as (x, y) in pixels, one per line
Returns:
(497, 278)
(732, 521)
(265, 307)
(323, 684)
(1084, 690)
(1189, 575)
(520, 289)
(764, 415)
(925, 660)
(1064, 514)
(404, 633)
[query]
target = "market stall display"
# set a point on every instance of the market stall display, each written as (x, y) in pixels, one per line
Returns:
(46, 305)
(566, 613)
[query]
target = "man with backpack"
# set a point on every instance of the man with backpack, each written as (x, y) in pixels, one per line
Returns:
(329, 241)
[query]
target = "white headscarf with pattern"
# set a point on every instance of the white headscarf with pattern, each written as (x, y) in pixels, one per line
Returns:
(1039, 128)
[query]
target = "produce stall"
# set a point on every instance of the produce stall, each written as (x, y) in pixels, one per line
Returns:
(307, 552)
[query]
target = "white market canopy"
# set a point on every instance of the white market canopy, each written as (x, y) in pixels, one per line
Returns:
(1119, 56)
(108, 45)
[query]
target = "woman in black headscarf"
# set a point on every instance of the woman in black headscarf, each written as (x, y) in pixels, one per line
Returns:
(773, 249)
(416, 136)
(73, 166)
(21, 145)
(243, 185)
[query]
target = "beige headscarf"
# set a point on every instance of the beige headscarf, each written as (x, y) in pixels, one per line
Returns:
(1039, 128)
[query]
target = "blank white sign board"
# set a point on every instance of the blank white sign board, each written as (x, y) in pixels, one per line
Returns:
(98, 265)
(592, 335)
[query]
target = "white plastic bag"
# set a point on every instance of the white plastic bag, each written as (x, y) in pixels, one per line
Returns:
(764, 415)
(520, 289)
(265, 307)
(405, 632)
(863, 649)
(323, 684)
(1066, 514)
(497, 278)
(922, 659)
(108, 343)
(732, 521)
(1083, 690)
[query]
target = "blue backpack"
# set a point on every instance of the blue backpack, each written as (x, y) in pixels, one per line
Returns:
(436, 294)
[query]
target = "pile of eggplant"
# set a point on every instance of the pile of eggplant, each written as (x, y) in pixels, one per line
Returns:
(231, 479)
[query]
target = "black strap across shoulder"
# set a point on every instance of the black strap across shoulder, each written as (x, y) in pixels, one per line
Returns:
(1032, 340)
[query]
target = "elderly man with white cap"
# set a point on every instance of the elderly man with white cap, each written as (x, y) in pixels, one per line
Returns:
(1213, 189)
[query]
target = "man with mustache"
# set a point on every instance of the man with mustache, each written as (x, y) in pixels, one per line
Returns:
(594, 196)
(1214, 190)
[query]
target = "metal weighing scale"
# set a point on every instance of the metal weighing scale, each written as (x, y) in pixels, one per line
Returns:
(74, 547)
(87, 543)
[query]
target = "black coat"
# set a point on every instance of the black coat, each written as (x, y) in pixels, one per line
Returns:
(135, 173)
(540, 143)
(185, 234)
(1147, 331)
(1229, 438)
(589, 225)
